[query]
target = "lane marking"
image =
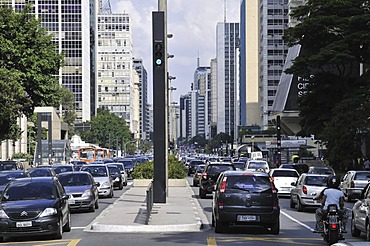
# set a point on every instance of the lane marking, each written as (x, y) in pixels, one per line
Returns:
(78, 227)
(74, 242)
(293, 241)
(297, 221)
(211, 241)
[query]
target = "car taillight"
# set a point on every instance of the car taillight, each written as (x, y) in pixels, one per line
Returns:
(223, 185)
(220, 204)
(352, 184)
(304, 190)
(205, 175)
(273, 188)
(333, 226)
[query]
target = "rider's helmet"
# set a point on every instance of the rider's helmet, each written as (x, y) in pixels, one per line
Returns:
(333, 182)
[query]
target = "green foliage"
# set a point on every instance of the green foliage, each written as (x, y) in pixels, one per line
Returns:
(67, 100)
(334, 38)
(25, 156)
(176, 170)
(28, 61)
(107, 130)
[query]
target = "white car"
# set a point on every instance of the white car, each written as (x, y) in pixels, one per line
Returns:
(283, 179)
(101, 175)
(257, 165)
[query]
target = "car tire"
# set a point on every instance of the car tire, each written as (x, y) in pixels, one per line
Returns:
(96, 204)
(1, 239)
(202, 193)
(292, 204)
(275, 228)
(92, 208)
(213, 220)
(67, 226)
(354, 231)
(120, 186)
(111, 193)
(194, 184)
(125, 183)
(300, 207)
(59, 233)
(368, 232)
(219, 226)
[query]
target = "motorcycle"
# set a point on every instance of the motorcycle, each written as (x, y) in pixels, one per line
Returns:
(332, 231)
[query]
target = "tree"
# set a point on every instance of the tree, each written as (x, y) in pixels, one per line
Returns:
(28, 63)
(107, 130)
(334, 38)
(67, 100)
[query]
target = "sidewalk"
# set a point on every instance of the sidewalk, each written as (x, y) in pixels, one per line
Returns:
(180, 213)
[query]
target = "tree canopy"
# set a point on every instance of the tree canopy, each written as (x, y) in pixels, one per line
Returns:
(28, 63)
(334, 37)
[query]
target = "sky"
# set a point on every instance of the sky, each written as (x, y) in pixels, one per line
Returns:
(193, 25)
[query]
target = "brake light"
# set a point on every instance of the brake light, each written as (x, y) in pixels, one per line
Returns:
(273, 188)
(223, 185)
(352, 184)
(205, 175)
(333, 226)
(304, 189)
(220, 204)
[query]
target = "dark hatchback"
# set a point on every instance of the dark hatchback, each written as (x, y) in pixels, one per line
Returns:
(193, 166)
(210, 175)
(34, 206)
(7, 176)
(245, 198)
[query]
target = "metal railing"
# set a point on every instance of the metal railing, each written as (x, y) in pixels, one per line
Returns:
(149, 201)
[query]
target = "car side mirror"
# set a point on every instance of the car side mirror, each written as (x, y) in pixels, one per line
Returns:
(293, 183)
(65, 197)
(97, 184)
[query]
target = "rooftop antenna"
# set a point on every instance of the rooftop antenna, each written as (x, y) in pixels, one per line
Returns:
(198, 60)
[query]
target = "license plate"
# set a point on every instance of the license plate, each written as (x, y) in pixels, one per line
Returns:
(246, 218)
(24, 224)
(71, 201)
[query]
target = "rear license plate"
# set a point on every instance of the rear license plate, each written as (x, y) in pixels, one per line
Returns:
(24, 224)
(247, 218)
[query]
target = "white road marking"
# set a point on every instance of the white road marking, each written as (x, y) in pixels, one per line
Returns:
(297, 221)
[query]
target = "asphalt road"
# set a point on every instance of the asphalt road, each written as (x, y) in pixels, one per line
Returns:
(295, 229)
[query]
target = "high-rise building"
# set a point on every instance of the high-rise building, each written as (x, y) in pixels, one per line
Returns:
(185, 117)
(69, 23)
(115, 84)
(227, 44)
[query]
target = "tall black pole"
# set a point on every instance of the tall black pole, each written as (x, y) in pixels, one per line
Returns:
(278, 141)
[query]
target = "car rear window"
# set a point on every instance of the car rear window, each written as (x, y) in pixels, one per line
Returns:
(316, 180)
(218, 169)
(250, 183)
(362, 176)
(256, 165)
(284, 173)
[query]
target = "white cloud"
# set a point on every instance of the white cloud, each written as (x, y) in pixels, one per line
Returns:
(193, 24)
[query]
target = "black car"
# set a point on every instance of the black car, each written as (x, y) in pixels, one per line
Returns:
(129, 164)
(193, 165)
(7, 176)
(210, 175)
(60, 168)
(10, 165)
(82, 190)
(245, 198)
(115, 173)
(34, 206)
(42, 172)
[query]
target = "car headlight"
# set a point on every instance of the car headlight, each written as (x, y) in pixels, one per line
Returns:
(105, 185)
(3, 215)
(87, 193)
(48, 212)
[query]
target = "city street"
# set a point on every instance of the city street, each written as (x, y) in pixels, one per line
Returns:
(296, 229)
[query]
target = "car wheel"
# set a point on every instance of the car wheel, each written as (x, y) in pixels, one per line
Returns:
(300, 207)
(67, 226)
(275, 228)
(213, 220)
(202, 193)
(292, 204)
(125, 183)
(59, 233)
(368, 232)
(120, 186)
(219, 226)
(354, 231)
(92, 208)
(111, 193)
(96, 204)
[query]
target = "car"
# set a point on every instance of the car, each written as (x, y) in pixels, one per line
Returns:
(245, 198)
(42, 172)
(7, 176)
(305, 189)
(78, 164)
(59, 168)
(193, 165)
(239, 165)
(100, 173)
(115, 173)
(360, 221)
(122, 170)
(321, 170)
(10, 165)
(257, 164)
(299, 167)
(81, 189)
(198, 174)
(129, 165)
(210, 175)
(283, 179)
(353, 183)
(34, 206)
(289, 166)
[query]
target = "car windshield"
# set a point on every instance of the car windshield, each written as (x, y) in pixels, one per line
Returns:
(95, 171)
(200, 168)
(8, 166)
(284, 173)
(128, 164)
(240, 165)
(249, 183)
(316, 180)
(38, 172)
(120, 167)
(362, 176)
(218, 169)
(29, 191)
(63, 169)
(256, 165)
(113, 170)
(74, 180)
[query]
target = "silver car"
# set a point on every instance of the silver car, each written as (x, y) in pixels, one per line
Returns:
(101, 175)
(353, 183)
(305, 189)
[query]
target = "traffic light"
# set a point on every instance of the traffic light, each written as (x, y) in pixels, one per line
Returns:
(158, 53)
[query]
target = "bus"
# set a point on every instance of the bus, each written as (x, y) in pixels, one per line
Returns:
(86, 154)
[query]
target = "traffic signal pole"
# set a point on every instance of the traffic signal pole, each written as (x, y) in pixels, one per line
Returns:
(160, 102)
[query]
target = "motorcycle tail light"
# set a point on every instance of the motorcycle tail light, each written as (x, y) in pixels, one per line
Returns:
(304, 189)
(333, 226)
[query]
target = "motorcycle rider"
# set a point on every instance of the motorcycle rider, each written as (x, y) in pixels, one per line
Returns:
(331, 195)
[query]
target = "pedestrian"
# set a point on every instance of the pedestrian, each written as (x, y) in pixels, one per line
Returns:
(366, 164)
